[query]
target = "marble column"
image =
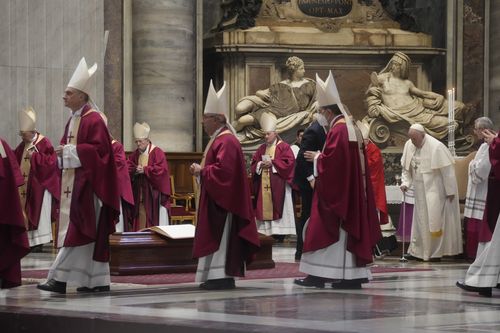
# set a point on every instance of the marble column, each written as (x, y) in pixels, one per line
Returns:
(164, 70)
(494, 63)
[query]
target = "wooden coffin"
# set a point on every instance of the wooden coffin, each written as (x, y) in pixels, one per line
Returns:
(140, 253)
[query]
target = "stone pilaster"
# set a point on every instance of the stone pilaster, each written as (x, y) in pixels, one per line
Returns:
(164, 67)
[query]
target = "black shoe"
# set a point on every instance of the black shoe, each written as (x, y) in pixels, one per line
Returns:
(410, 257)
(54, 286)
(483, 291)
(92, 290)
(434, 259)
(218, 284)
(311, 281)
(349, 284)
(298, 255)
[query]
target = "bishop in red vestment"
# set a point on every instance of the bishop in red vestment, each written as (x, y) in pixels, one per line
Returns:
(126, 195)
(148, 170)
(376, 167)
(272, 172)
(14, 243)
(343, 227)
(90, 195)
(41, 192)
(226, 235)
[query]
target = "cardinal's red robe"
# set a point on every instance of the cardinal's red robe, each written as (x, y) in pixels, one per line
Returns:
(153, 186)
(44, 175)
(96, 176)
(376, 167)
(126, 194)
(225, 189)
(14, 243)
(343, 197)
(284, 164)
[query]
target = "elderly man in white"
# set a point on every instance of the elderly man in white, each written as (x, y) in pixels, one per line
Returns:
(477, 188)
(429, 166)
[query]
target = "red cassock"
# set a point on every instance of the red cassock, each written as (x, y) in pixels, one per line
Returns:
(14, 243)
(44, 175)
(154, 185)
(341, 200)
(376, 167)
(98, 176)
(126, 194)
(284, 163)
(225, 189)
(492, 209)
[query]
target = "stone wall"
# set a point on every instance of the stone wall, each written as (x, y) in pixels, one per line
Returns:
(42, 42)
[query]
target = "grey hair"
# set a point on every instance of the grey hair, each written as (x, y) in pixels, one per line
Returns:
(484, 123)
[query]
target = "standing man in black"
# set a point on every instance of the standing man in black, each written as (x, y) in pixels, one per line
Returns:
(313, 139)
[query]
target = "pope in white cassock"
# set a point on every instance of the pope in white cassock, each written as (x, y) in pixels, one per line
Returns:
(429, 166)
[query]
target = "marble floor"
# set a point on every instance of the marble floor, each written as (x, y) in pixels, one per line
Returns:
(418, 301)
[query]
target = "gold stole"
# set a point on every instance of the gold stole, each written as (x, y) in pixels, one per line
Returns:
(143, 161)
(265, 187)
(202, 164)
(67, 182)
(25, 170)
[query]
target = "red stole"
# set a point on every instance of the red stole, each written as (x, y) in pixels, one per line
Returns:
(14, 243)
(284, 163)
(43, 175)
(340, 199)
(376, 167)
(225, 189)
(98, 176)
(153, 185)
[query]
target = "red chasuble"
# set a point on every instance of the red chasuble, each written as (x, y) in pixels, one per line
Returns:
(225, 189)
(284, 163)
(123, 175)
(98, 176)
(14, 243)
(376, 167)
(44, 175)
(341, 200)
(153, 185)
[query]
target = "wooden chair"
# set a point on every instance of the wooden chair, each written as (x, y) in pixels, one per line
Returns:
(179, 214)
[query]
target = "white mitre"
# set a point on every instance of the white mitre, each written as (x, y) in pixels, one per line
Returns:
(328, 94)
(217, 103)
(268, 124)
(418, 127)
(141, 131)
(81, 77)
(27, 120)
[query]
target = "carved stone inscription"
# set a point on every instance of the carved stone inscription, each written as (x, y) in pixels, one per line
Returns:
(325, 8)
